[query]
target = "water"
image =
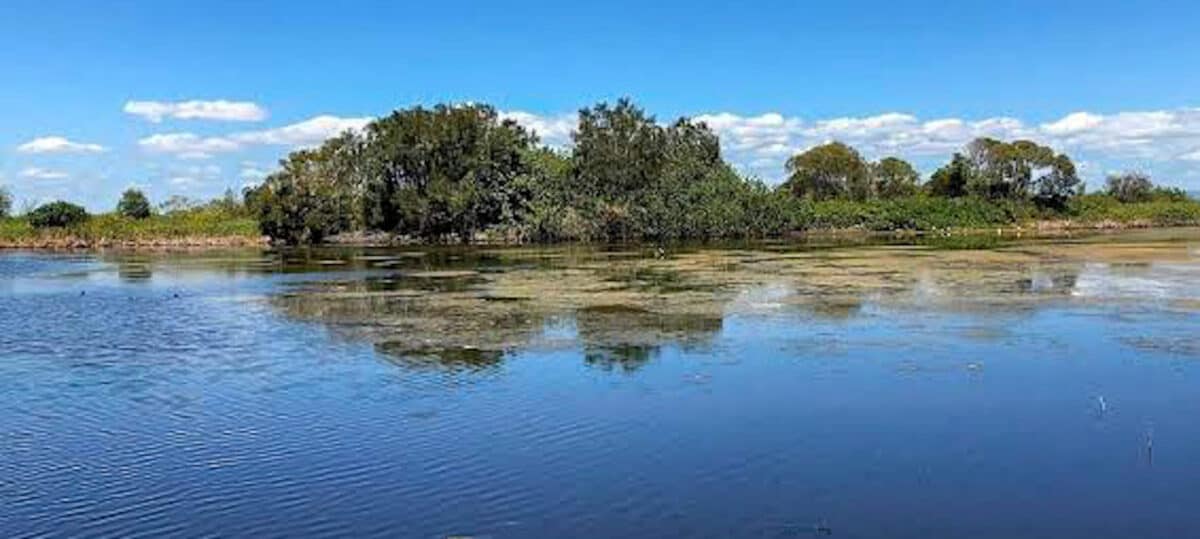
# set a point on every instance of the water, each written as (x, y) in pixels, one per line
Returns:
(1038, 389)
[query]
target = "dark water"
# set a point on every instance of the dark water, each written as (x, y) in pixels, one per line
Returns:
(1036, 390)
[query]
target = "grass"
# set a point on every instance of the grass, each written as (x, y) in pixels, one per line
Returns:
(200, 227)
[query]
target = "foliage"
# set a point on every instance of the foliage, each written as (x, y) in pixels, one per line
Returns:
(134, 204)
(455, 172)
(200, 223)
(828, 171)
(1129, 187)
(1020, 170)
(1164, 210)
(57, 214)
(5, 203)
(443, 172)
(893, 177)
(914, 213)
(304, 202)
(950, 181)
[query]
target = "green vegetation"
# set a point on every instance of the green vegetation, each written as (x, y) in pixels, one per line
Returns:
(60, 224)
(133, 205)
(57, 214)
(463, 173)
(5, 203)
(451, 173)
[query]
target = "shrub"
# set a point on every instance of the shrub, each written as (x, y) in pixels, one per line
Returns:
(57, 214)
(134, 204)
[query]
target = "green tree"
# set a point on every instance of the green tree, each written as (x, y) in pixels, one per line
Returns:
(1130, 187)
(5, 203)
(828, 171)
(57, 214)
(638, 179)
(619, 151)
(445, 170)
(302, 202)
(1020, 170)
(134, 204)
(950, 181)
(892, 177)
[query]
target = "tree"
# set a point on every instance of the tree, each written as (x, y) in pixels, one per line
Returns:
(892, 177)
(451, 169)
(303, 202)
(1021, 169)
(134, 204)
(832, 170)
(1130, 187)
(638, 178)
(57, 214)
(950, 181)
(5, 203)
(619, 150)
(178, 203)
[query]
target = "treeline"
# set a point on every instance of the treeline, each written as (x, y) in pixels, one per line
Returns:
(452, 172)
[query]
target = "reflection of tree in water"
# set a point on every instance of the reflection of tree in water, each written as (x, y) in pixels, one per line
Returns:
(626, 338)
(462, 358)
(626, 357)
(421, 330)
(842, 307)
(134, 270)
(469, 314)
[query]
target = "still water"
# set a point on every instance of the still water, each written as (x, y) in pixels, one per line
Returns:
(1044, 388)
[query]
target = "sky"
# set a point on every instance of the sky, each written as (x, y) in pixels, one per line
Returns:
(194, 97)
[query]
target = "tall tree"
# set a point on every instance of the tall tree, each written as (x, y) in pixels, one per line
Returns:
(446, 170)
(1130, 187)
(893, 177)
(134, 204)
(828, 171)
(1021, 169)
(619, 150)
(951, 180)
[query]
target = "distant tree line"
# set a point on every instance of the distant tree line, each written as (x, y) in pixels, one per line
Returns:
(450, 172)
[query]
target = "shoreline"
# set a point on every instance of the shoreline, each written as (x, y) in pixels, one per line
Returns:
(1041, 228)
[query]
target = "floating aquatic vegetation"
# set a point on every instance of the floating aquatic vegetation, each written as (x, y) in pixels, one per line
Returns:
(622, 306)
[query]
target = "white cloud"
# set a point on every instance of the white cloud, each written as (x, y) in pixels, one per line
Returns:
(187, 145)
(309, 132)
(1073, 123)
(230, 111)
(58, 145)
(306, 133)
(186, 177)
(554, 131)
(1192, 156)
(43, 174)
(252, 173)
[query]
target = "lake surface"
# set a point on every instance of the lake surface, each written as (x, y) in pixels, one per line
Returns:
(1045, 388)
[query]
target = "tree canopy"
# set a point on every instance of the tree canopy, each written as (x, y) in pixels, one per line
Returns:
(452, 171)
(832, 170)
(57, 214)
(134, 204)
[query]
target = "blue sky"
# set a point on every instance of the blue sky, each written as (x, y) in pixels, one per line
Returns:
(193, 97)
